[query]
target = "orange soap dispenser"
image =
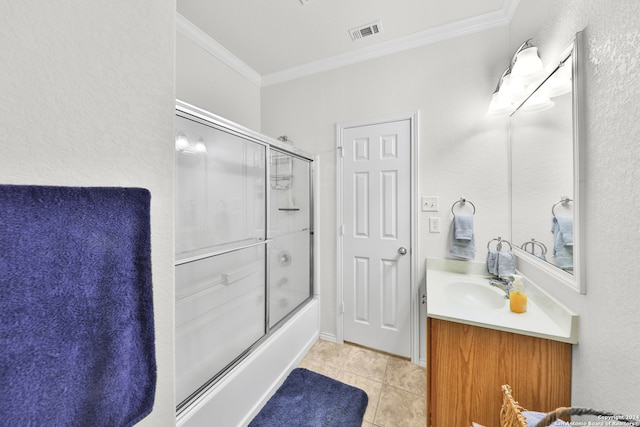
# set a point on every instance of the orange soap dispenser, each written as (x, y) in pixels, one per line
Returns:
(517, 297)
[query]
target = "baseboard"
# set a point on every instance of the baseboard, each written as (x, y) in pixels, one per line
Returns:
(328, 337)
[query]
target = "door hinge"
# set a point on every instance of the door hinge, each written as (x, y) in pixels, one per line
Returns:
(342, 307)
(342, 229)
(341, 150)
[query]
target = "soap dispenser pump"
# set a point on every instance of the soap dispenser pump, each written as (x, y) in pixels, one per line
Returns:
(517, 296)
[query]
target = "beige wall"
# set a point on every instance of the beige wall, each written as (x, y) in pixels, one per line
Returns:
(86, 99)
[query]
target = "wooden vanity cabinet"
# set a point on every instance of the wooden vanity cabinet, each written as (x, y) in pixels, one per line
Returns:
(467, 365)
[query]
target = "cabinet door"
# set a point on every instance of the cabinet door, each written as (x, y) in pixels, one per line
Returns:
(468, 365)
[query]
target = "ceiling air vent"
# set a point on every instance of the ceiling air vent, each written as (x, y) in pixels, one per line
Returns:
(365, 30)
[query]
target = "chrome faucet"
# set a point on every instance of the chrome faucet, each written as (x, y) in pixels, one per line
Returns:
(502, 283)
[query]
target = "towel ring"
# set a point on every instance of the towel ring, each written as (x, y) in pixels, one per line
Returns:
(562, 201)
(499, 244)
(533, 243)
(462, 201)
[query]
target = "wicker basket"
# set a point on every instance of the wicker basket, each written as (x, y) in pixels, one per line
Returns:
(567, 412)
(511, 413)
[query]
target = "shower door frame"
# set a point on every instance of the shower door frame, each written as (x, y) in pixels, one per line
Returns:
(206, 118)
(290, 151)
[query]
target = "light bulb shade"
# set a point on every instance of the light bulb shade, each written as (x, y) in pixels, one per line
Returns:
(512, 90)
(527, 66)
(499, 106)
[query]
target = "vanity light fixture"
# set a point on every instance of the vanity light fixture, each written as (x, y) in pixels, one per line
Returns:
(539, 101)
(526, 66)
(525, 70)
(500, 103)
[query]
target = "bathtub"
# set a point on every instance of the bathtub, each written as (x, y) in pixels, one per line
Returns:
(240, 395)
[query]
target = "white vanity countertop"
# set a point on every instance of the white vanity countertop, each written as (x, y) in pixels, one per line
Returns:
(544, 318)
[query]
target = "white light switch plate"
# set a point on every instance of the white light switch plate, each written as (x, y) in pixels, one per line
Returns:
(430, 204)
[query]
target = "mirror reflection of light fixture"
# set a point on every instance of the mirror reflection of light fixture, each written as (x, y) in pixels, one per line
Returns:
(560, 82)
(199, 147)
(183, 145)
(539, 101)
(525, 69)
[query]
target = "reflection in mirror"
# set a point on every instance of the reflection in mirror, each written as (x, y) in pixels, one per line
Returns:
(542, 176)
(545, 174)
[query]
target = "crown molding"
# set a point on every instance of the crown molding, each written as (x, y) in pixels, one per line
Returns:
(434, 35)
(460, 28)
(509, 8)
(205, 41)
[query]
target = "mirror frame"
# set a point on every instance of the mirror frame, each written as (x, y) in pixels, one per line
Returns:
(577, 280)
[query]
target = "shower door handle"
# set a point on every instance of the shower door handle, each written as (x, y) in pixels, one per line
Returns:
(402, 250)
(223, 252)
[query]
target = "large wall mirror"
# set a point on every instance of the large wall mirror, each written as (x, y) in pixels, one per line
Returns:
(546, 173)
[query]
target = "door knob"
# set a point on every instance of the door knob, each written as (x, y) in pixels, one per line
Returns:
(402, 251)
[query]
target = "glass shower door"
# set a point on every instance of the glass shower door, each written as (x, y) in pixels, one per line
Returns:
(290, 230)
(220, 251)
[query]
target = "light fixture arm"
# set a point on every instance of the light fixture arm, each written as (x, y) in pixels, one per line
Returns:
(526, 45)
(501, 79)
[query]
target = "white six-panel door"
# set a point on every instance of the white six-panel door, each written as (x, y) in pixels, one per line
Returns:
(376, 273)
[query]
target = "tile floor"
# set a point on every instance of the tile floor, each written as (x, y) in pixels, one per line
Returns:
(395, 386)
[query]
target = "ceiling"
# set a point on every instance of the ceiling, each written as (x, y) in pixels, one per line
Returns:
(274, 40)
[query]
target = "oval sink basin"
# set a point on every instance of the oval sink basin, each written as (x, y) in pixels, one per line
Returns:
(476, 295)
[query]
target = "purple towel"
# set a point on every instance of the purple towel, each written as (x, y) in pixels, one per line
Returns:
(76, 314)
